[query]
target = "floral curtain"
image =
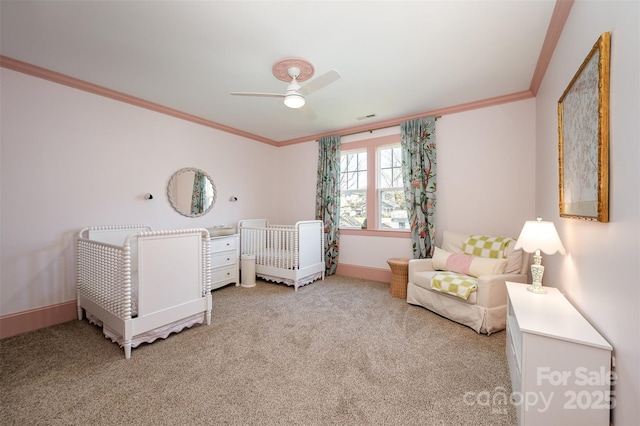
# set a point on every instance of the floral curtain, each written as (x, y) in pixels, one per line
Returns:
(199, 193)
(419, 175)
(328, 198)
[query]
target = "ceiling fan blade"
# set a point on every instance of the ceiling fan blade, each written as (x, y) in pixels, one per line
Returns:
(267, 95)
(320, 82)
(308, 112)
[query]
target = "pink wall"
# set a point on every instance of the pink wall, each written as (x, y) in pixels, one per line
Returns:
(72, 159)
(486, 160)
(82, 159)
(599, 274)
(486, 169)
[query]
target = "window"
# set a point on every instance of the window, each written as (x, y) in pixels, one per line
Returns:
(372, 193)
(353, 189)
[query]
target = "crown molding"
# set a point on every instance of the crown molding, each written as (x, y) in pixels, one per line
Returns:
(558, 19)
(56, 77)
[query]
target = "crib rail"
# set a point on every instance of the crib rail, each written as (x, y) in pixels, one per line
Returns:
(101, 276)
(273, 245)
(113, 234)
(104, 269)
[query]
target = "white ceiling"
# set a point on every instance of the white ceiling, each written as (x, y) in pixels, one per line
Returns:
(396, 58)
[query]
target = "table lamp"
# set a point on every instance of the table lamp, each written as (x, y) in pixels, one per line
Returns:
(537, 235)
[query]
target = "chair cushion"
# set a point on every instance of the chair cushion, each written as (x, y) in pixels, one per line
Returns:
(487, 246)
(467, 264)
(453, 242)
(514, 260)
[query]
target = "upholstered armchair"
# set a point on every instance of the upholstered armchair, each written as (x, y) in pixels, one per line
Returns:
(465, 279)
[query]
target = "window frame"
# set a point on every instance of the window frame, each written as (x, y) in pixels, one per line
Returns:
(373, 215)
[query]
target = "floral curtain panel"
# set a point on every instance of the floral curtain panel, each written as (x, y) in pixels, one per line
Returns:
(328, 198)
(418, 140)
(199, 193)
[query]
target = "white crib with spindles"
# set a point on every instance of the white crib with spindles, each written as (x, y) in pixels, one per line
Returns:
(288, 254)
(140, 285)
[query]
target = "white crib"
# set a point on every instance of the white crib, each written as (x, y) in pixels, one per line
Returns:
(141, 285)
(289, 254)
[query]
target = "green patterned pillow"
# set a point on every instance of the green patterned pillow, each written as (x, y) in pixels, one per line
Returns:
(486, 246)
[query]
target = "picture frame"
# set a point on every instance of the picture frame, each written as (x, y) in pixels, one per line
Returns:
(583, 138)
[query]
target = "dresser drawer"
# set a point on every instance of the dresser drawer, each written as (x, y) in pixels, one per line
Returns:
(513, 363)
(226, 258)
(224, 244)
(229, 274)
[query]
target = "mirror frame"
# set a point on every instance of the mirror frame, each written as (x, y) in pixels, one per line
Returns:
(172, 201)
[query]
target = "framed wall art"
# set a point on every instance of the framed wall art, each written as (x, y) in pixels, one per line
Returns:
(583, 142)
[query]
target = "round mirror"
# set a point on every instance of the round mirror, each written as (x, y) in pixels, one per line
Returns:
(191, 192)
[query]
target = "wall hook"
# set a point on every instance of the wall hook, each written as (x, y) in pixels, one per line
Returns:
(233, 198)
(148, 196)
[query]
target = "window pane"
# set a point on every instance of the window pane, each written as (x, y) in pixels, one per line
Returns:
(385, 158)
(393, 211)
(352, 162)
(362, 161)
(346, 181)
(353, 209)
(353, 167)
(362, 180)
(397, 178)
(347, 162)
(386, 178)
(390, 167)
(397, 157)
(343, 163)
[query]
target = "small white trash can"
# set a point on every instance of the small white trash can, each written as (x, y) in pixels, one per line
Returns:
(248, 270)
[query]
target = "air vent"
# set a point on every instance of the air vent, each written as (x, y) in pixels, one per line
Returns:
(366, 117)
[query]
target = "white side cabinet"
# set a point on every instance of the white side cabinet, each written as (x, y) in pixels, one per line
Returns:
(560, 366)
(224, 261)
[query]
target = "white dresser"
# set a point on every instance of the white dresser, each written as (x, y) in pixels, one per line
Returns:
(225, 261)
(560, 366)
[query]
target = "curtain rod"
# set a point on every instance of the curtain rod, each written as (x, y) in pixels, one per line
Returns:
(377, 128)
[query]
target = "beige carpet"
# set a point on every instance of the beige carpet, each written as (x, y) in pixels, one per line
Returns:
(340, 351)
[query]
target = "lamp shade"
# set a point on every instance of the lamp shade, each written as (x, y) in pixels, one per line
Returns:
(294, 100)
(539, 235)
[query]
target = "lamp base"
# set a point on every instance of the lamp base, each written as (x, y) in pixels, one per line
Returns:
(538, 289)
(537, 270)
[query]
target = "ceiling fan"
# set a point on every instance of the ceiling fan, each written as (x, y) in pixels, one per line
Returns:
(293, 71)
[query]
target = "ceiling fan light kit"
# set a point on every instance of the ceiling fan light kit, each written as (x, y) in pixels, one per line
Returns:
(294, 70)
(294, 100)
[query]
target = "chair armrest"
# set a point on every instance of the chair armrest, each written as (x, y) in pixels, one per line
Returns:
(419, 265)
(492, 290)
